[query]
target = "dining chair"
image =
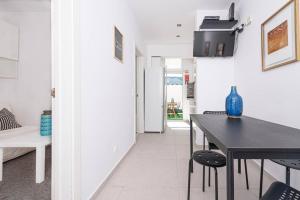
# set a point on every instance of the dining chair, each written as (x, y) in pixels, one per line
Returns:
(281, 191)
(287, 163)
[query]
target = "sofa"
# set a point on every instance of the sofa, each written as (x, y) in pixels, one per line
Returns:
(11, 153)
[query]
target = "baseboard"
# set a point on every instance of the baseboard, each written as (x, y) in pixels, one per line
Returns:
(101, 186)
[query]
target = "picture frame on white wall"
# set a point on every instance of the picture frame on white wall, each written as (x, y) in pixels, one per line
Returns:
(279, 44)
(8, 69)
(118, 45)
(9, 50)
(298, 27)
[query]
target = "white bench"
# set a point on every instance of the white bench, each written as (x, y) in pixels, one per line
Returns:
(26, 137)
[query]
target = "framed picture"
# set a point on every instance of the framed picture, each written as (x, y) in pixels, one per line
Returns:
(279, 37)
(298, 27)
(118, 45)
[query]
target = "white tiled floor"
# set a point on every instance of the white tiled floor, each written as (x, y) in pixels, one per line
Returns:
(157, 167)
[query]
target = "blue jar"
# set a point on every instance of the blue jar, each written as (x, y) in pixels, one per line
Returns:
(46, 125)
(234, 104)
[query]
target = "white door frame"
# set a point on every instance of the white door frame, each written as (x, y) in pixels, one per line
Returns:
(66, 104)
(139, 78)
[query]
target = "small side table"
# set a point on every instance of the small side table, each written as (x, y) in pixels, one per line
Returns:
(27, 139)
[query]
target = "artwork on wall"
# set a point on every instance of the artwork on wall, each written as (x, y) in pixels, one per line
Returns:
(279, 37)
(9, 50)
(118, 45)
(298, 27)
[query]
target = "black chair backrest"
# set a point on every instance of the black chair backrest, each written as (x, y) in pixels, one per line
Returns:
(281, 191)
(210, 144)
(214, 113)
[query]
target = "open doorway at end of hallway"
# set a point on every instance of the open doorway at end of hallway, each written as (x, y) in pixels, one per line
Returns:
(180, 76)
(174, 96)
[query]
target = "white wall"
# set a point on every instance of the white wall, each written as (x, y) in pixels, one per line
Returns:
(29, 94)
(184, 50)
(213, 81)
(273, 95)
(214, 77)
(108, 92)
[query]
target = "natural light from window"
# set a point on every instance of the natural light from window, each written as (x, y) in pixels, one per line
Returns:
(173, 63)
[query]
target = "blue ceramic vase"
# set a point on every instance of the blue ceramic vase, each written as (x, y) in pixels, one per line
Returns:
(234, 104)
(46, 125)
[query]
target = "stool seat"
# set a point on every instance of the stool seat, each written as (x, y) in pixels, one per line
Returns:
(209, 158)
(280, 191)
(291, 163)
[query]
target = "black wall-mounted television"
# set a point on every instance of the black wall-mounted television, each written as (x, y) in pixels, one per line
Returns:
(213, 43)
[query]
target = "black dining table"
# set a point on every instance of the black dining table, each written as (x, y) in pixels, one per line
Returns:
(246, 138)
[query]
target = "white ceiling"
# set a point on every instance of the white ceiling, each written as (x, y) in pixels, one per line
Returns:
(25, 5)
(157, 19)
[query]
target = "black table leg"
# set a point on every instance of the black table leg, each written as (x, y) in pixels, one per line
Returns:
(288, 176)
(261, 177)
(230, 176)
(203, 141)
(191, 145)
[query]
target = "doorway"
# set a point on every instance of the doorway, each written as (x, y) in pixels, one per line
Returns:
(174, 89)
(180, 82)
(28, 54)
(174, 96)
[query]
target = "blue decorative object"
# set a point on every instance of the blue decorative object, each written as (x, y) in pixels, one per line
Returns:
(46, 125)
(234, 104)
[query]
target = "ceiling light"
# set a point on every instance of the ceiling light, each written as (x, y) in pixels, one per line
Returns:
(179, 25)
(178, 36)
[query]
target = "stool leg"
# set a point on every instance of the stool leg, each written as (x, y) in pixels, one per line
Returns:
(208, 176)
(189, 179)
(203, 141)
(203, 181)
(261, 178)
(216, 184)
(209, 169)
(288, 176)
(239, 166)
(246, 174)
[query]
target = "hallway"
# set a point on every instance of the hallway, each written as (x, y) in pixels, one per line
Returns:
(156, 169)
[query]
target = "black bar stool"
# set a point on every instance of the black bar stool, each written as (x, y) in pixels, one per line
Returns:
(281, 191)
(289, 164)
(208, 159)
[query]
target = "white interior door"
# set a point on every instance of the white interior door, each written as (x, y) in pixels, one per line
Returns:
(154, 96)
